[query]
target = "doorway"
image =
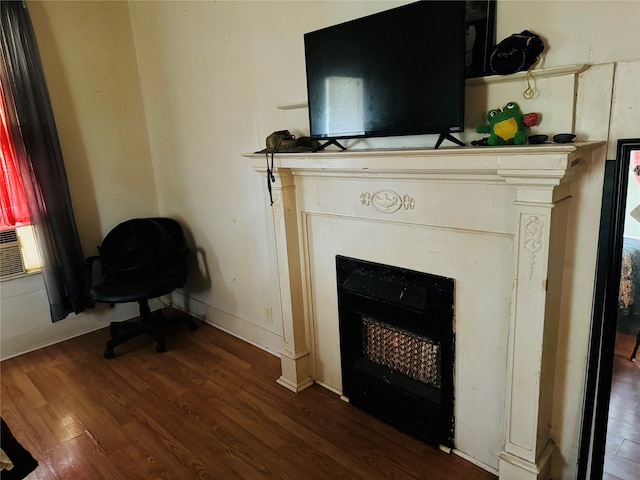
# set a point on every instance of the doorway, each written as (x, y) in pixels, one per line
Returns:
(610, 440)
(622, 451)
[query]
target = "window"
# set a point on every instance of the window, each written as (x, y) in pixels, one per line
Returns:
(18, 248)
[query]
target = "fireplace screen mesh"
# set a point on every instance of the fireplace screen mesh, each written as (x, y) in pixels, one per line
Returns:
(413, 355)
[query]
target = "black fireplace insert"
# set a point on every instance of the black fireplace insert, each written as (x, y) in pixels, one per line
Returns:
(397, 346)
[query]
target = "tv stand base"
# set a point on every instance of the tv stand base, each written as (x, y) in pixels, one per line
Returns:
(451, 138)
(331, 141)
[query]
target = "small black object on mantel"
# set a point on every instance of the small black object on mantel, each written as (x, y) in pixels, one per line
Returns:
(483, 142)
(536, 139)
(564, 138)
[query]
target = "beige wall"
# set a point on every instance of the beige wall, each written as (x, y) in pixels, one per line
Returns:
(156, 102)
(90, 65)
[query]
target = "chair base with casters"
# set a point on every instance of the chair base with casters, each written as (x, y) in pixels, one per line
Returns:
(140, 259)
(150, 323)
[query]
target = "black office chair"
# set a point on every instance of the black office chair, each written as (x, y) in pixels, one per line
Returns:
(141, 259)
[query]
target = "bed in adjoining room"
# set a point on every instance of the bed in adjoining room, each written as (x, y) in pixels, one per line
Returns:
(629, 297)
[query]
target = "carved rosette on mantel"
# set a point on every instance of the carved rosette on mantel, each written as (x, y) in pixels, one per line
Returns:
(496, 220)
(387, 201)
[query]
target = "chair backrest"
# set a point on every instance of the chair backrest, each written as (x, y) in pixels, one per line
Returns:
(177, 260)
(142, 248)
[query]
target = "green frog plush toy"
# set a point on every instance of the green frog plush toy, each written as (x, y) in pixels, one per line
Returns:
(506, 125)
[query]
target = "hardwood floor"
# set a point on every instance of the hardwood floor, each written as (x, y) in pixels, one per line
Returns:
(207, 408)
(622, 455)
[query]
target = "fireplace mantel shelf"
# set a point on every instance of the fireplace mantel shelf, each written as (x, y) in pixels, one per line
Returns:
(544, 159)
(498, 220)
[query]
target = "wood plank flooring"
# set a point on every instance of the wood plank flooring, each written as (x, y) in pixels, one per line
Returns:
(622, 455)
(207, 408)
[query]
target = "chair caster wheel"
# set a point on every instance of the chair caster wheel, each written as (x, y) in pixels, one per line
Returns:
(108, 353)
(160, 347)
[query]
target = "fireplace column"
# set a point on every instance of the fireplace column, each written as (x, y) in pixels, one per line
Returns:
(295, 357)
(541, 212)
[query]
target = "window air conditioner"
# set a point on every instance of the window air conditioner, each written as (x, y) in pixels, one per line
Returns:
(11, 262)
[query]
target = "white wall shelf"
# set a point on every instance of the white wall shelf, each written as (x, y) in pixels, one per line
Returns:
(492, 79)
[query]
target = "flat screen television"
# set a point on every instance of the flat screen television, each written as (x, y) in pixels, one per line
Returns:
(397, 72)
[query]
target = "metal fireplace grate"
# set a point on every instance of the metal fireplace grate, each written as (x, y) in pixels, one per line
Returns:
(402, 351)
(397, 346)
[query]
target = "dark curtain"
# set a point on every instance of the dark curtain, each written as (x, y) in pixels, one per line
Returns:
(40, 160)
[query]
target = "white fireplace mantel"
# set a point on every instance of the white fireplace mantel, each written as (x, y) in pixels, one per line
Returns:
(493, 219)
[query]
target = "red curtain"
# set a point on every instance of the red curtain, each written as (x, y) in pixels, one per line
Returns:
(13, 201)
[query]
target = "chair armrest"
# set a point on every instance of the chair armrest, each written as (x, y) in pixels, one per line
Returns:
(88, 263)
(88, 278)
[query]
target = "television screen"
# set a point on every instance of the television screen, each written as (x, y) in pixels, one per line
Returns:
(398, 72)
